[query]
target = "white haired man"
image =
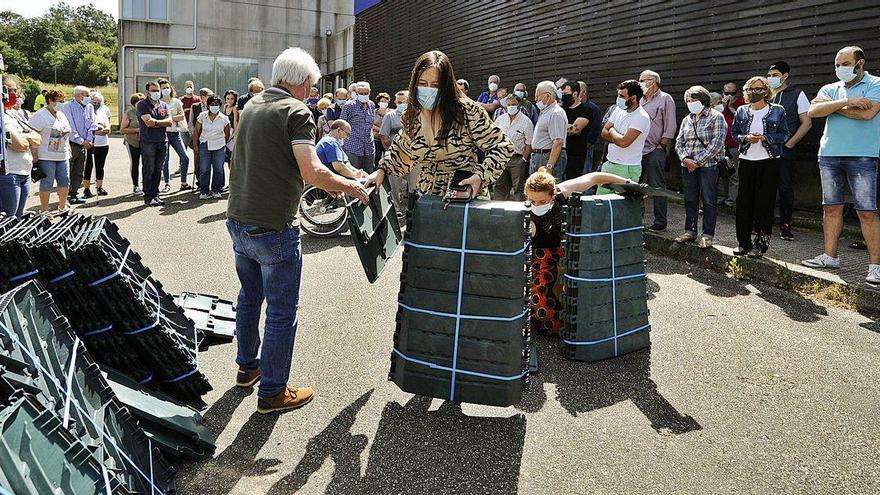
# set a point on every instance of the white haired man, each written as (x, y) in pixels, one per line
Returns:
(401, 187)
(359, 113)
(660, 107)
(81, 115)
(548, 141)
(274, 155)
(255, 87)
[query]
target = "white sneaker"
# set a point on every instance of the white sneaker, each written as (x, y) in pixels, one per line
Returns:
(138, 191)
(204, 196)
(156, 202)
(166, 188)
(873, 278)
(822, 261)
(216, 195)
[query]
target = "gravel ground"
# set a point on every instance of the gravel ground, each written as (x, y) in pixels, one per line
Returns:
(746, 389)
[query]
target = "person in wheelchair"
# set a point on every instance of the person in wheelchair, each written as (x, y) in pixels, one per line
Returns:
(331, 154)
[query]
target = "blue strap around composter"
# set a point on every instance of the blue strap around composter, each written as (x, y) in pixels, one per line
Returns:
(457, 315)
(24, 276)
(614, 278)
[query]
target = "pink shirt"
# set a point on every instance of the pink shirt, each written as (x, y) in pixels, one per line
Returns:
(661, 110)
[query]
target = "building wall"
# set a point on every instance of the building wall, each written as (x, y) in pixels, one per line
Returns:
(241, 32)
(688, 42)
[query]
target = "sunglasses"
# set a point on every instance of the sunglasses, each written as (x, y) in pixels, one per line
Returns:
(755, 90)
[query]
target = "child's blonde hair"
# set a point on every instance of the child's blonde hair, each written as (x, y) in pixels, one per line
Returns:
(541, 181)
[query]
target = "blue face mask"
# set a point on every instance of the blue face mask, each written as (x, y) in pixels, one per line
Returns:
(363, 98)
(521, 94)
(512, 109)
(621, 103)
(427, 97)
(401, 107)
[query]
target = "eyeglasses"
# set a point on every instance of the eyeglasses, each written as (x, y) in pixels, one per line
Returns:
(755, 90)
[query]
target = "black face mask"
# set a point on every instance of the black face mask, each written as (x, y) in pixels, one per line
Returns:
(730, 94)
(567, 100)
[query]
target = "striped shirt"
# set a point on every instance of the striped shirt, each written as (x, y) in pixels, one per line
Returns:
(360, 116)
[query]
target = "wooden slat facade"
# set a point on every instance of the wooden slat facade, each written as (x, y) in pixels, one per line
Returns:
(688, 42)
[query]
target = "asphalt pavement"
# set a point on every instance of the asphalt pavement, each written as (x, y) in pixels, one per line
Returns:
(746, 388)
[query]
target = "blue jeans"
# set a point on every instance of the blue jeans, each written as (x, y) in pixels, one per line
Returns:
(269, 267)
(57, 172)
(539, 159)
(700, 185)
(152, 157)
(858, 171)
(14, 190)
(588, 161)
(175, 142)
(211, 161)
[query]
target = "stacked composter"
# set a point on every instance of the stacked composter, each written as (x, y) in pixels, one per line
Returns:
(605, 302)
(115, 306)
(462, 323)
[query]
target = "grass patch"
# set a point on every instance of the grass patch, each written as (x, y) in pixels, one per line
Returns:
(111, 97)
(832, 294)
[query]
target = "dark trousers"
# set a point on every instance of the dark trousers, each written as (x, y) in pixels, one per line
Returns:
(654, 174)
(755, 202)
(786, 189)
(574, 167)
(512, 179)
(96, 158)
(135, 155)
(700, 185)
(152, 156)
(77, 166)
(379, 150)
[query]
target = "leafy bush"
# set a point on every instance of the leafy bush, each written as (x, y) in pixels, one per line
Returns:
(31, 90)
(93, 70)
(16, 61)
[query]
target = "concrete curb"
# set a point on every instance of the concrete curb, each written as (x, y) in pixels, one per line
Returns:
(781, 274)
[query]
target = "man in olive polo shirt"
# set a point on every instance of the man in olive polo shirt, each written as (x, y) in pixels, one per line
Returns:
(274, 154)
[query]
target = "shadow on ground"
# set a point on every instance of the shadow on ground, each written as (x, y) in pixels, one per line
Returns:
(795, 306)
(416, 451)
(584, 387)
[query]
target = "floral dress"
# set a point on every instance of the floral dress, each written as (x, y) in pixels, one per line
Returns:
(438, 163)
(546, 309)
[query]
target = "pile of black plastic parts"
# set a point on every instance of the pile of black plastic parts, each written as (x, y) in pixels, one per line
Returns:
(115, 306)
(462, 323)
(63, 429)
(605, 301)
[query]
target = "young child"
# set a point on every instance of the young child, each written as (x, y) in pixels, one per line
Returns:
(547, 199)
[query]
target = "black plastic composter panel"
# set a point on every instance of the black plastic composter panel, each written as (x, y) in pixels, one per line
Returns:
(375, 230)
(605, 300)
(462, 323)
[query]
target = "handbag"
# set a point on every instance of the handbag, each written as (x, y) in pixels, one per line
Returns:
(37, 173)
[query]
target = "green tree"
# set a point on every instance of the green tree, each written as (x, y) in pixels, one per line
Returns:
(93, 70)
(16, 61)
(66, 59)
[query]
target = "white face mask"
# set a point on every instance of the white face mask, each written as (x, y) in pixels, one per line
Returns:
(644, 86)
(166, 92)
(155, 95)
(541, 210)
(695, 107)
(845, 74)
(363, 98)
(493, 87)
(719, 108)
(383, 104)
(189, 91)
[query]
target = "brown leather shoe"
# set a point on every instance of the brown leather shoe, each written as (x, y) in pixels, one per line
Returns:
(290, 398)
(246, 378)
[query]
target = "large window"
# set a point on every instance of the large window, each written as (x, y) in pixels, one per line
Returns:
(233, 73)
(196, 68)
(152, 63)
(152, 10)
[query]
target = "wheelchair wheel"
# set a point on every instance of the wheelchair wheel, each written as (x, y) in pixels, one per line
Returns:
(322, 215)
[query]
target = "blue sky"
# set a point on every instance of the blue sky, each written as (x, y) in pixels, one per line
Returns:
(32, 8)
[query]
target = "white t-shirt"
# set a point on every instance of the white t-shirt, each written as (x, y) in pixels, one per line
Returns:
(176, 108)
(102, 118)
(55, 132)
(624, 121)
(757, 151)
(17, 162)
(213, 132)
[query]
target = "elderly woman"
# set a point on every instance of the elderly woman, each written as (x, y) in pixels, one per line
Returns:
(21, 140)
(382, 101)
(54, 151)
(761, 129)
(96, 157)
(130, 130)
(322, 122)
(700, 146)
(441, 130)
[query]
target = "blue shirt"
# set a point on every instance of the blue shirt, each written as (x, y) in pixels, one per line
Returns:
(360, 116)
(82, 121)
(159, 112)
(329, 151)
(485, 97)
(844, 136)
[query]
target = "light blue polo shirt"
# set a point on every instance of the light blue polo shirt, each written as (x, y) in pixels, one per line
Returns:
(844, 136)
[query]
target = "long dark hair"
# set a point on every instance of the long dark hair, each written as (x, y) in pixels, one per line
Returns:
(452, 111)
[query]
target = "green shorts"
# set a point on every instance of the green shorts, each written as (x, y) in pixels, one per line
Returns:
(631, 172)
